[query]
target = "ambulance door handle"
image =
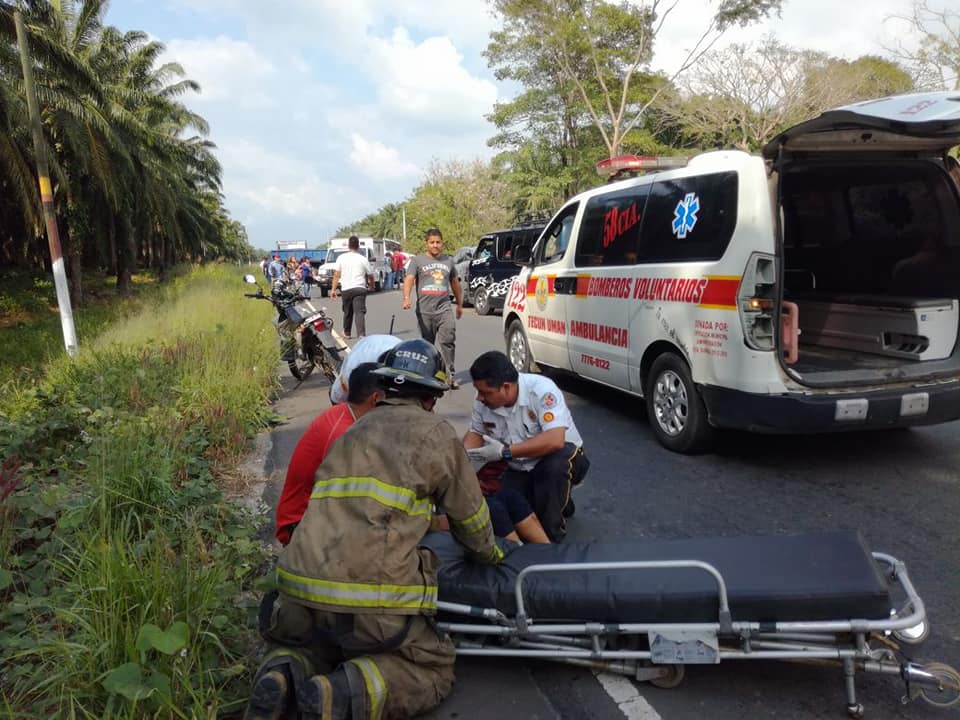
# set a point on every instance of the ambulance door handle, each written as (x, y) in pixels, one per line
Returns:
(564, 285)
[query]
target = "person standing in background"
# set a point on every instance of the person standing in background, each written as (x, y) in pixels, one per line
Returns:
(436, 279)
(391, 275)
(305, 276)
(275, 269)
(397, 261)
(353, 272)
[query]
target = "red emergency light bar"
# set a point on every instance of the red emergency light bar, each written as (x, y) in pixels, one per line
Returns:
(638, 163)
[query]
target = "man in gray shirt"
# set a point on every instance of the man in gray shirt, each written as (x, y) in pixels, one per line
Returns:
(436, 278)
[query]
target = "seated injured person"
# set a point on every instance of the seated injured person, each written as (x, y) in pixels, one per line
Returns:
(511, 516)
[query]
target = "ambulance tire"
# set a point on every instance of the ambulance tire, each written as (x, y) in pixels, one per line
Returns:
(518, 349)
(671, 390)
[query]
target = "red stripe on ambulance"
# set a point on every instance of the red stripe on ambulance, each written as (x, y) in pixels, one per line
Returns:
(721, 292)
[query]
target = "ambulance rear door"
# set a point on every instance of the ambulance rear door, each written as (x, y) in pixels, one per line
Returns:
(600, 300)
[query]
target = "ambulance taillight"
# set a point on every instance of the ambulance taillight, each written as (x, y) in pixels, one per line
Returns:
(756, 301)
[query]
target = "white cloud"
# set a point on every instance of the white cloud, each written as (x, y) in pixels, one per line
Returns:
(467, 24)
(427, 82)
(377, 160)
(225, 68)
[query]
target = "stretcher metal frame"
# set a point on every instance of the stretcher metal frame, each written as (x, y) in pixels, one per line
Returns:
(658, 652)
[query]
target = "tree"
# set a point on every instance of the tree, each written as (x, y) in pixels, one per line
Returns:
(463, 199)
(603, 50)
(135, 180)
(936, 63)
(741, 96)
(387, 222)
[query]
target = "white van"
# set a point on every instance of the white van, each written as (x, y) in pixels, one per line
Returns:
(375, 249)
(812, 289)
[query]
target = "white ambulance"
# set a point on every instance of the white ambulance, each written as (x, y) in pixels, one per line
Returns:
(812, 289)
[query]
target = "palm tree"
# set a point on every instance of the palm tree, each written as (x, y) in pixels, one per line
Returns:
(135, 178)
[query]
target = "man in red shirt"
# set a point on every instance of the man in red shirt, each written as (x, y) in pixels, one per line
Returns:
(364, 393)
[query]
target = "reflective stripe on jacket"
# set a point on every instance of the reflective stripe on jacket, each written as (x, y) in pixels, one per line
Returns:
(356, 549)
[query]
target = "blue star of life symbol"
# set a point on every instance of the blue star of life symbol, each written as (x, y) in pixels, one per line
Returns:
(685, 215)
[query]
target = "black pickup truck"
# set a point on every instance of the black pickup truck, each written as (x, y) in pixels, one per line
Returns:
(492, 269)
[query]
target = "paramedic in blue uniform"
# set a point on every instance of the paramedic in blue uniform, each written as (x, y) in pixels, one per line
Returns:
(523, 418)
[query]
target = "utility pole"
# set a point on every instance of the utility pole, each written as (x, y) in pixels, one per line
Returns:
(46, 191)
(403, 215)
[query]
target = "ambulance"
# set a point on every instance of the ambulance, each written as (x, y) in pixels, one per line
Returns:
(812, 288)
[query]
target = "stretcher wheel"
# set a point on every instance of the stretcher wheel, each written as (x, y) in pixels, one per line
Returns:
(949, 691)
(671, 678)
(914, 635)
(855, 711)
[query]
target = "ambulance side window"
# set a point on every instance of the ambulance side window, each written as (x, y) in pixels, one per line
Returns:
(557, 237)
(610, 229)
(690, 218)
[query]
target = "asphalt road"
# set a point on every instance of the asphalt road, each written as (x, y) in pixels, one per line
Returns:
(901, 489)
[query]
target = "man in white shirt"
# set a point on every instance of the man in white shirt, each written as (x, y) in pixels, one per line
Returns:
(355, 276)
(523, 419)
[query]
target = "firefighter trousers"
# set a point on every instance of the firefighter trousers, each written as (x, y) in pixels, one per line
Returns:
(410, 678)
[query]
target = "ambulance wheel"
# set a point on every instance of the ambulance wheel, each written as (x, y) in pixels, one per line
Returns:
(673, 676)
(676, 410)
(518, 350)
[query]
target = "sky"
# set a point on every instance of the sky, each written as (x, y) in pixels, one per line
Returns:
(323, 111)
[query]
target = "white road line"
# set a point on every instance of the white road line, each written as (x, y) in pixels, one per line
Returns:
(625, 694)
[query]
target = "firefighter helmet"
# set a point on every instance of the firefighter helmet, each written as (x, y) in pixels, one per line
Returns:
(412, 367)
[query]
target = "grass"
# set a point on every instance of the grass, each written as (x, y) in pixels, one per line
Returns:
(122, 564)
(30, 330)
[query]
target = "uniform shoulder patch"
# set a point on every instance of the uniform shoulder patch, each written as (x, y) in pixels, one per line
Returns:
(548, 417)
(548, 400)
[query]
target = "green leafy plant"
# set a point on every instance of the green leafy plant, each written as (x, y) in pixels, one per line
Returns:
(123, 567)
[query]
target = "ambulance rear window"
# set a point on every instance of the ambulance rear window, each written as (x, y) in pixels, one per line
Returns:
(689, 218)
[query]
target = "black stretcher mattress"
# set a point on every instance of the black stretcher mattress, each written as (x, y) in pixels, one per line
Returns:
(821, 576)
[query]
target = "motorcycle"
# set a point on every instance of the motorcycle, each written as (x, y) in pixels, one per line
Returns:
(306, 332)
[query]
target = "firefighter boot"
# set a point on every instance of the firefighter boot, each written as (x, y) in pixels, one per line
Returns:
(325, 697)
(269, 697)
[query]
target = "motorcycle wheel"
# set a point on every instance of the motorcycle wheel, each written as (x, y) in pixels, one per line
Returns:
(301, 368)
(330, 362)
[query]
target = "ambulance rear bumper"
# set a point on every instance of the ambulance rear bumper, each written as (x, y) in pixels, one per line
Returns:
(803, 413)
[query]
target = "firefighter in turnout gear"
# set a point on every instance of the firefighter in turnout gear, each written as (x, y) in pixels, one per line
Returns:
(352, 625)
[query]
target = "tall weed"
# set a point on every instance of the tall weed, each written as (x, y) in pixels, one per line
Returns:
(121, 563)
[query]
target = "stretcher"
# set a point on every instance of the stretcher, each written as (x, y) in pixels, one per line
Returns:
(648, 609)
